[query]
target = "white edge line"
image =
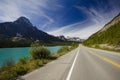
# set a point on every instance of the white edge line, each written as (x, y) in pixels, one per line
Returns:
(71, 69)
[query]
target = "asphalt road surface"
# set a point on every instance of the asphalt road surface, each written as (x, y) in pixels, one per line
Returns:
(82, 63)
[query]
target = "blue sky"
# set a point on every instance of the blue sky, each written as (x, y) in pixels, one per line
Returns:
(79, 18)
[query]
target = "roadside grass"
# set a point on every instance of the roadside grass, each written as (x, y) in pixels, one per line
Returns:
(97, 46)
(108, 49)
(12, 71)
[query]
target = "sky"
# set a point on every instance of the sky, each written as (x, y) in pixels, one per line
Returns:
(74, 18)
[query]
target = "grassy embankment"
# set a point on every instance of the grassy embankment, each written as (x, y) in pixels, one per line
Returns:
(39, 57)
(108, 37)
(108, 40)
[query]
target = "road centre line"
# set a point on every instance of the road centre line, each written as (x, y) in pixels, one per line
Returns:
(105, 59)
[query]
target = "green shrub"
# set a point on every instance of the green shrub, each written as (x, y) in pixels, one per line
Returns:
(21, 69)
(24, 60)
(39, 52)
(63, 49)
(35, 44)
(33, 64)
(8, 74)
(74, 45)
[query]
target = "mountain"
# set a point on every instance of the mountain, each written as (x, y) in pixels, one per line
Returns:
(108, 37)
(23, 30)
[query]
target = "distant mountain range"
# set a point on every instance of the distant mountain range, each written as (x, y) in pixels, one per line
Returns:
(108, 37)
(23, 30)
(68, 38)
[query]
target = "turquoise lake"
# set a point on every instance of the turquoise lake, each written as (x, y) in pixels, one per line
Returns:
(16, 53)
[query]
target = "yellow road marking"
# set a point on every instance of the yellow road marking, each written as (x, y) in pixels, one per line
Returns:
(106, 59)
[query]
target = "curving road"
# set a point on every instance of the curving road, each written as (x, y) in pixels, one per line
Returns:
(82, 63)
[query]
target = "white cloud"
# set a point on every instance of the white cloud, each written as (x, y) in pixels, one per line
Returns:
(9, 11)
(79, 29)
(84, 32)
(96, 19)
(12, 9)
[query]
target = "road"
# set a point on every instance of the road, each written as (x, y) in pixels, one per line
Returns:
(82, 63)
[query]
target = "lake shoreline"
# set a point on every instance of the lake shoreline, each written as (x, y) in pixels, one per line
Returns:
(24, 66)
(18, 52)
